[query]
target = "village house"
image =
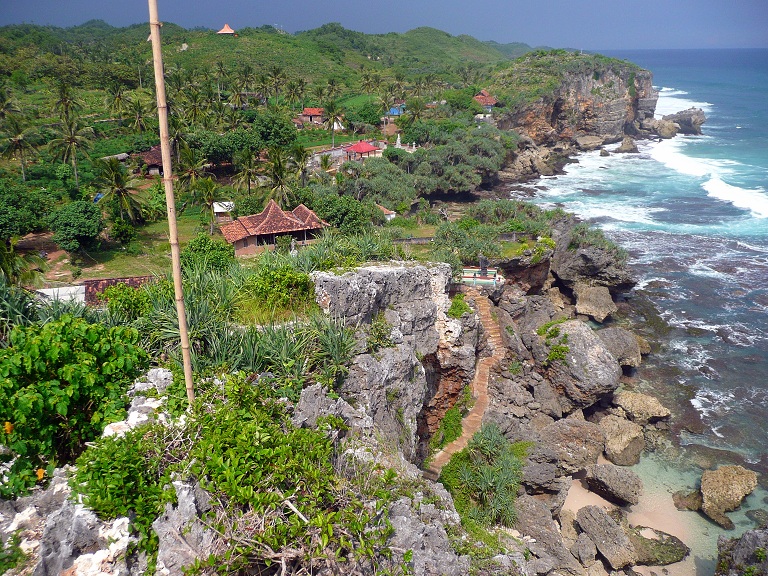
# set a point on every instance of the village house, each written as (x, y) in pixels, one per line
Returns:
(153, 159)
(486, 100)
(312, 116)
(258, 232)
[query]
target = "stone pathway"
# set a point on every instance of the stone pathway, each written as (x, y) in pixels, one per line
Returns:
(479, 387)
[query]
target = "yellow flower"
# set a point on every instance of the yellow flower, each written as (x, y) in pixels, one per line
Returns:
(8, 427)
(40, 474)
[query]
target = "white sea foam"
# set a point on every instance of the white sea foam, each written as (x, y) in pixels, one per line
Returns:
(672, 100)
(754, 200)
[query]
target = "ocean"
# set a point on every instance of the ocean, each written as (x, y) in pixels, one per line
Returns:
(693, 214)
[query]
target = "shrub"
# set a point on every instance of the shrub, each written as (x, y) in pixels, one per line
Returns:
(126, 303)
(11, 553)
(484, 477)
(379, 334)
(458, 306)
(280, 287)
(77, 225)
(60, 384)
(211, 253)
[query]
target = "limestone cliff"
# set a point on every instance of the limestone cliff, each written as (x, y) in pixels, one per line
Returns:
(559, 96)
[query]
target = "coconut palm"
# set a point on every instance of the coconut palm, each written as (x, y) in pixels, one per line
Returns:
(67, 103)
(300, 156)
(73, 138)
(205, 194)
(277, 78)
(20, 269)
(332, 88)
(333, 114)
(139, 110)
(193, 166)
(386, 101)
(117, 101)
(115, 185)
(7, 104)
(17, 140)
(294, 92)
(248, 170)
(277, 170)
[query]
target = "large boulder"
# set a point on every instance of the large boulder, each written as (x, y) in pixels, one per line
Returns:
(610, 539)
(615, 483)
(663, 128)
(624, 440)
(689, 121)
(627, 146)
(622, 344)
(656, 548)
(576, 443)
(534, 519)
(588, 372)
(640, 408)
(722, 490)
(586, 143)
(594, 301)
(734, 554)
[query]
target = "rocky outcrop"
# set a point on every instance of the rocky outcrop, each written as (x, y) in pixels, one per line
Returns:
(588, 371)
(627, 146)
(640, 408)
(656, 548)
(577, 443)
(737, 555)
(689, 121)
(665, 129)
(624, 440)
(722, 490)
(615, 483)
(610, 539)
(183, 538)
(586, 143)
(623, 345)
(594, 301)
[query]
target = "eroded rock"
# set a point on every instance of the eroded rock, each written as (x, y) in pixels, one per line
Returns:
(594, 301)
(722, 490)
(611, 541)
(640, 408)
(624, 440)
(615, 483)
(623, 345)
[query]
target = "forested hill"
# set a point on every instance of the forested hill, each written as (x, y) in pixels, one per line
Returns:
(328, 51)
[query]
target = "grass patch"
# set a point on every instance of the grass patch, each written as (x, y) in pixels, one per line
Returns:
(458, 306)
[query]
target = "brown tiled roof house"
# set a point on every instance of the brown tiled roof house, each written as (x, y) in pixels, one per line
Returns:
(485, 100)
(252, 234)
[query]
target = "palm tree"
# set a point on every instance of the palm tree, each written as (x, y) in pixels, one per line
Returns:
(20, 269)
(386, 101)
(72, 138)
(319, 93)
(415, 109)
(221, 76)
(117, 101)
(333, 114)
(293, 92)
(193, 166)
(277, 171)
(16, 140)
(205, 194)
(194, 107)
(248, 170)
(66, 102)
(7, 103)
(277, 78)
(115, 184)
(300, 156)
(139, 110)
(332, 88)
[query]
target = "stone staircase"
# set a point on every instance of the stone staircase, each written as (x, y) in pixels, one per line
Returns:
(479, 387)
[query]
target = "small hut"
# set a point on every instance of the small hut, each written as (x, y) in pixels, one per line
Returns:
(226, 30)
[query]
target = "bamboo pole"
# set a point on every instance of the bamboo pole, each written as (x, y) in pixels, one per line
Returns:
(170, 200)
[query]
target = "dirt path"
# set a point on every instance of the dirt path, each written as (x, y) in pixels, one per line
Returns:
(474, 419)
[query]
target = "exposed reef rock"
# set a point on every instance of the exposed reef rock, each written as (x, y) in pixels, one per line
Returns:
(640, 408)
(594, 301)
(689, 121)
(737, 555)
(722, 490)
(627, 146)
(615, 483)
(623, 345)
(656, 548)
(611, 540)
(624, 440)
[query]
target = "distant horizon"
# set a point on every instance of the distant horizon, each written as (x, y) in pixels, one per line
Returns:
(591, 25)
(214, 28)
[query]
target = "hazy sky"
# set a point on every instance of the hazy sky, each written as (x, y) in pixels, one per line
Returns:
(585, 24)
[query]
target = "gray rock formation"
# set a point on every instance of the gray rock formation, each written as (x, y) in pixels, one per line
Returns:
(610, 539)
(722, 490)
(622, 344)
(594, 301)
(586, 143)
(656, 548)
(589, 371)
(615, 483)
(640, 408)
(689, 121)
(736, 555)
(392, 389)
(182, 536)
(662, 128)
(576, 443)
(624, 440)
(584, 550)
(627, 146)
(534, 519)
(421, 527)
(403, 292)
(314, 402)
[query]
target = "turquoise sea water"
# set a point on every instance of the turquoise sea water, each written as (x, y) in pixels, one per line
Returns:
(693, 214)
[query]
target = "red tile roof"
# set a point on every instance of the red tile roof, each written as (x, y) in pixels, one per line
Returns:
(272, 220)
(485, 99)
(362, 147)
(313, 111)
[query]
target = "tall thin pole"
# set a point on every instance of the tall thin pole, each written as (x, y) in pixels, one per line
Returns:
(170, 200)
